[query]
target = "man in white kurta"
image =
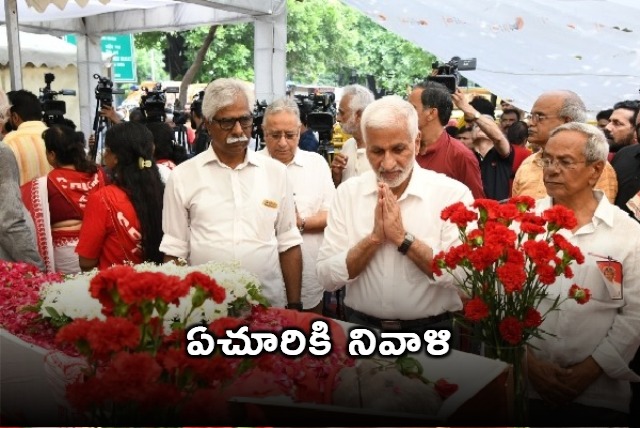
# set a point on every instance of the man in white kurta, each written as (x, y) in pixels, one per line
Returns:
(581, 373)
(384, 228)
(231, 204)
(312, 188)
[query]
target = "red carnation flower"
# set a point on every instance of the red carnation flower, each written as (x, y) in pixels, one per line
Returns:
(532, 224)
(511, 330)
(488, 209)
(539, 251)
(112, 335)
(508, 213)
(512, 276)
(208, 284)
(476, 309)
(524, 203)
(579, 294)
(140, 287)
(532, 318)
(560, 217)
(459, 215)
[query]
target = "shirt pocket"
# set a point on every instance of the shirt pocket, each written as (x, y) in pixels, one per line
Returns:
(265, 222)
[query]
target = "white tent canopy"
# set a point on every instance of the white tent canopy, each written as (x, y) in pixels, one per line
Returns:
(39, 50)
(526, 47)
(89, 19)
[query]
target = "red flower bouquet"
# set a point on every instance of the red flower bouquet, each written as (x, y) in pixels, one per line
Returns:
(507, 257)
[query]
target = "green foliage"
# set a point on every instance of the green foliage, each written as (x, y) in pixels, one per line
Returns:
(327, 43)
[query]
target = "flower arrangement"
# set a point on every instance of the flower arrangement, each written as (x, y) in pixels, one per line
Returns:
(507, 257)
(20, 285)
(137, 370)
(505, 264)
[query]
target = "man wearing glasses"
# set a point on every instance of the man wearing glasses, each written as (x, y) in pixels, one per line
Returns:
(231, 204)
(551, 110)
(578, 374)
(313, 189)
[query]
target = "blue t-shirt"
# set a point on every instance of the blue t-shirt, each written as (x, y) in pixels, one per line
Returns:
(308, 141)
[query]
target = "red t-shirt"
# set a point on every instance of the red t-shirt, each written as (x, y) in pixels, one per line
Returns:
(111, 229)
(450, 157)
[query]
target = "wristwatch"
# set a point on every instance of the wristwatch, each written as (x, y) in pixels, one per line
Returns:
(294, 306)
(476, 116)
(408, 240)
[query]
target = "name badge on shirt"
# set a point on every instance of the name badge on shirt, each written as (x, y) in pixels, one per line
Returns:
(611, 272)
(269, 203)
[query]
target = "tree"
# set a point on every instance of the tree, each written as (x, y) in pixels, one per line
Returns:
(195, 66)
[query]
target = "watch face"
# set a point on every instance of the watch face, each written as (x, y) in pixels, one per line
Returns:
(409, 237)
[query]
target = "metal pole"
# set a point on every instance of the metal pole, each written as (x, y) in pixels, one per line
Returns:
(13, 40)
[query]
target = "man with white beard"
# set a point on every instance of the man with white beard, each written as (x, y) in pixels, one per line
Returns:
(384, 228)
(232, 204)
(351, 161)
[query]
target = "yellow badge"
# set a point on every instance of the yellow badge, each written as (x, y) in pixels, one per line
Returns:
(269, 203)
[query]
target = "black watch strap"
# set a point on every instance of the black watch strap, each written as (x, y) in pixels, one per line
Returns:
(408, 240)
(294, 306)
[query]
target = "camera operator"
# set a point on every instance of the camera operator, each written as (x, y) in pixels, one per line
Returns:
(202, 140)
(308, 140)
(25, 139)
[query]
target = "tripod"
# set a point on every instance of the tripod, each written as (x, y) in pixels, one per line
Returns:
(100, 126)
(180, 132)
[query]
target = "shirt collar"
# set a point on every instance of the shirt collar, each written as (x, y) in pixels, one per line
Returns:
(298, 159)
(32, 124)
(250, 158)
(604, 213)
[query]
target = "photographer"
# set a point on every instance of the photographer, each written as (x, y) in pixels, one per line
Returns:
(308, 140)
(202, 140)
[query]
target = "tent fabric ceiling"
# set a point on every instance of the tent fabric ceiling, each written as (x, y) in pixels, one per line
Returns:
(126, 16)
(526, 47)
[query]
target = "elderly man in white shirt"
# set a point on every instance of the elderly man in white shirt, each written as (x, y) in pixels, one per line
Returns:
(384, 228)
(231, 204)
(313, 189)
(580, 376)
(351, 161)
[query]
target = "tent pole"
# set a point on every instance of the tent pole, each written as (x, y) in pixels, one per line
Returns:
(13, 40)
(270, 51)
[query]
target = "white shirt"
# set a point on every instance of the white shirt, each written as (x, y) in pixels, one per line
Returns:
(213, 212)
(392, 286)
(357, 162)
(604, 328)
(313, 192)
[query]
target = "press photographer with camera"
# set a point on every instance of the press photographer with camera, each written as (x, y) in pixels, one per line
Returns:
(25, 139)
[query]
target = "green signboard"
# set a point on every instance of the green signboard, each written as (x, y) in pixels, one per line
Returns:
(123, 62)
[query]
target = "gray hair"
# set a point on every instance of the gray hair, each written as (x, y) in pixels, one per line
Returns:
(286, 105)
(222, 93)
(573, 107)
(389, 111)
(361, 97)
(596, 149)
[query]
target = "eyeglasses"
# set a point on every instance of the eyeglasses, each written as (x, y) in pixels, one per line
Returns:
(539, 117)
(227, 124)
(277, 136)
(560, 163)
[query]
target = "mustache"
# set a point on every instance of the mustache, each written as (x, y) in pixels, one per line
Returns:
(233, 140)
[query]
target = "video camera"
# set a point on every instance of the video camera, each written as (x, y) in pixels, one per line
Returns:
(258, 116)
(104, 91)
(152, 102)
(448, 73)
(53, 110)
(320, 112)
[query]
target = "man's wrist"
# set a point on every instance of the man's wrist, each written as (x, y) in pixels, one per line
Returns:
(296, 306)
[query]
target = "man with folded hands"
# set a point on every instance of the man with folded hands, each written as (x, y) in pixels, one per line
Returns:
(384, 228)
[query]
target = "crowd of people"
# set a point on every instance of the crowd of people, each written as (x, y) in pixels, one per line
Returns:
(367, 224)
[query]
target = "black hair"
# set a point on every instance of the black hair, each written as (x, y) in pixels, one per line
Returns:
(630, 105)
(604, 114)
(137, 115)
(435, 94)
(130, 142)
(518, 133)
(483, 106)
(452, 130)
(25, 104)
(512, 111)
(165, 145)
(68, 146)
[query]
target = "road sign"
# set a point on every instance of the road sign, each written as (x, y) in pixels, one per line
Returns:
(123, 62)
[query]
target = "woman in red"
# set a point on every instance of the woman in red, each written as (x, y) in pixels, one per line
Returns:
(123, 221)
(57, 201)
